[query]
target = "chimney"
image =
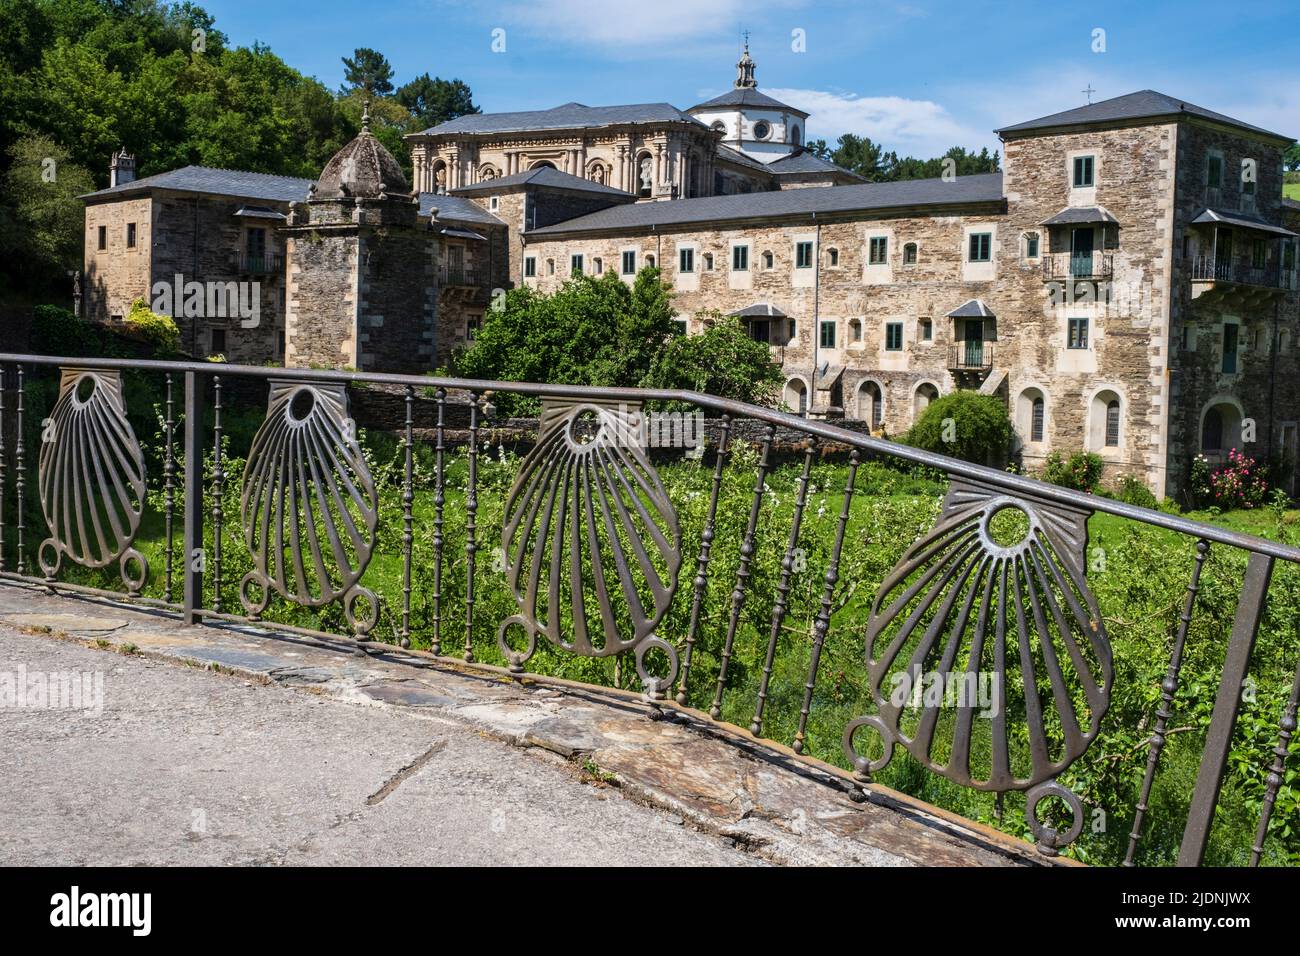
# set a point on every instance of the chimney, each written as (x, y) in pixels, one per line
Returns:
(122, 168)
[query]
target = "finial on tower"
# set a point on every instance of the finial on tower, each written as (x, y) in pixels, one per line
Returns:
(745, 68)
(365, 116)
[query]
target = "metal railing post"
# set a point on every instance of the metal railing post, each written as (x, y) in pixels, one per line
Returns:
(194, 556)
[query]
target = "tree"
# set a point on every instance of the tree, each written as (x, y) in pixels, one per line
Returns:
(43, 185)
(860, 155)
(435, 100)
(590, 331)
(1291, 158)
(367, 70)
(722, 360)
(965, 425)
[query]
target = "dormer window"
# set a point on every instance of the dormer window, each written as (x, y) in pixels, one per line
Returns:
(1083, 171)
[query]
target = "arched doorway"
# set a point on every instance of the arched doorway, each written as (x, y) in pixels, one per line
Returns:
(795, 395)
(925, 393)
(871, 404)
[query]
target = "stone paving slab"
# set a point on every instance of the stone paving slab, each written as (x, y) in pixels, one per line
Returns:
(778, 809)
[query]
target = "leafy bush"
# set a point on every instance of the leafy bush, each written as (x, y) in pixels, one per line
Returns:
(721, 360)
(1240, 483)
(1081, 471)
(58, 331)
(1134, 491)
(160, 331)
(964, 425)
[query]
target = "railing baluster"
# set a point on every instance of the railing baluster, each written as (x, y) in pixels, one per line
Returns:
(823, 622)
(781, 604)
(20, 477)
(218, 493)
(192, 537)
(742, 572)
(408, 500)
(169, 489)
(471, 509)
(439, 498)
(702, 562)
(4, 463)
(1276, 772)
(1168, 688)
(1209, 779)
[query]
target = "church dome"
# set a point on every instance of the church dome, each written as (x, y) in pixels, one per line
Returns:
(362, 169)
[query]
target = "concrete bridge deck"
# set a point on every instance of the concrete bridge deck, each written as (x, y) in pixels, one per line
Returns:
(226, 744)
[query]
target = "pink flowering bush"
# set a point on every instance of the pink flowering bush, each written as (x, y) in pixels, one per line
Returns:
(1240, 483)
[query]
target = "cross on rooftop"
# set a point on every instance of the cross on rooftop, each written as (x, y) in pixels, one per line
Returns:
(1088, 93)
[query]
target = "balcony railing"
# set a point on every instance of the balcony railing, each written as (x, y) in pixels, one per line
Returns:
(972, 356)
(1061, 266)
(1269, 276)
(464, 276)
(734, 587)
(261, 265)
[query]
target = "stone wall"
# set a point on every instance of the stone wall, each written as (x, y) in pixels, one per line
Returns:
(117, 275)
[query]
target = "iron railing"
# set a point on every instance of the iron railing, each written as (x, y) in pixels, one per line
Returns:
(1268, 276)
(967, 357)
(1069, 265)
(709, 594)
(464, 276)
(265, 264)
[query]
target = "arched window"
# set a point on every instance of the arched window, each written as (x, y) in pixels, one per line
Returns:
(925, 328)
(796, 395)
(832, 257)
(1212, 431)
(871, 404)
(1031, 413)
(542, 164)
(1029, 245)
(796, 137)
(597, 266)
(650, 261)
(909, 254)
(768, 260)
(1105, 421)
(855, 331)
(720, 127)
(924, 395)
(708, 262)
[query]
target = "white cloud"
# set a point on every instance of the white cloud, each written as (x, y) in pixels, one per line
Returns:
(920, 128)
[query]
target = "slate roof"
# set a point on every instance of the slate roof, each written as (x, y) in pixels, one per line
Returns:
(457, 209)
(218, 182)
(1080, 215)
(805, 162)
(759, 310)
(964, 190)
(566, 116)
(736, 156)
(972, 309)
(1240, 220)
(542, 176)
(747, 97)
(1145, 104)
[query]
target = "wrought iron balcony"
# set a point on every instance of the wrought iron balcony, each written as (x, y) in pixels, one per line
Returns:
(603, 558)
(972, 356)
(464, 277)
(1269, 276)
(1064, 266)
(264, 265)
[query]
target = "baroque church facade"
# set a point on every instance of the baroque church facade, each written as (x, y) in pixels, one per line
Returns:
(1127, 284)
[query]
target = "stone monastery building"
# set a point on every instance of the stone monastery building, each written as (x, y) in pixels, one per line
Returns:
(1127, 284)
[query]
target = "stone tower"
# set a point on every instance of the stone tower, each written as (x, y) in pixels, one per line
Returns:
(361, 288)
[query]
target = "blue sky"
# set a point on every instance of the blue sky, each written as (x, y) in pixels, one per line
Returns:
(916, 76)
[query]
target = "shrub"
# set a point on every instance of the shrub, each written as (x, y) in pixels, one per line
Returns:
(1081, 471)
(964, 425)
(1134, 491)
(160, 331)
(1240, 483)
(58, 331)
(722, 360)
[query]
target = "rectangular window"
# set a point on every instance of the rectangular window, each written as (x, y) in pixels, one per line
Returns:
(1112, 424)
(472, 324)
(828, 334)
(1031, 246)
(680, 326)
(130, 235)
(494, 203)
(740, 258)
(575, 265)
(834, 256)
(1230, 347)
(686, 260)
(878, 250)
(629, 263)
(103, 237)
(1214, 172)
(1259, 253)
(927, 330)
(1083, 166)
(803, 255)
(1078, 334)
(218, 342)
(893, 336)
(981, 246)
(1036, 421)
(530, 267)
